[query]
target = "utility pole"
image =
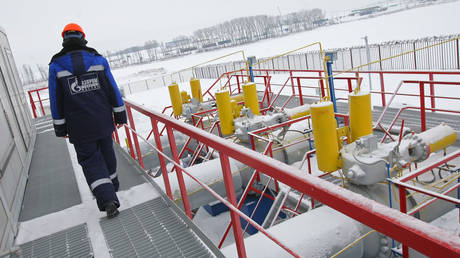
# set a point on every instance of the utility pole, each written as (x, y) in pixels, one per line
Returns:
(368, 53)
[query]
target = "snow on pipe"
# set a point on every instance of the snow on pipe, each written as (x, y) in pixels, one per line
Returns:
(326, 232)
(210, 173)
(418, 147)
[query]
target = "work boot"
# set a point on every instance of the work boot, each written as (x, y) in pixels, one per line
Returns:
(111, 209)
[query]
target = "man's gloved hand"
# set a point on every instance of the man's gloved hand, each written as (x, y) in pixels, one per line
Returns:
(60, 130)
(120, 117)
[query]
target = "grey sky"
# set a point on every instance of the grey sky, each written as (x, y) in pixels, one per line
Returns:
(34, 27)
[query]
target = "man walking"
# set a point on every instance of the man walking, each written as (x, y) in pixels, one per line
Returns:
(85, 103)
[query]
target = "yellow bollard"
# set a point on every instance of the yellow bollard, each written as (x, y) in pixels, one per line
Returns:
(360, 115)
(224, 108)
(250, 97)
(325, 134)
(195, 85)
(175, 97)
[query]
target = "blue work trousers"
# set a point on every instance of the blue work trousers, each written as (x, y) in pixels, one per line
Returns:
(99, 165)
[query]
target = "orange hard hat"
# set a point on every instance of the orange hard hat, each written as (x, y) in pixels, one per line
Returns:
(73, 27)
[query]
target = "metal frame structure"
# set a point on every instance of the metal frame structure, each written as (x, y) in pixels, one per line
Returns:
(401, 227)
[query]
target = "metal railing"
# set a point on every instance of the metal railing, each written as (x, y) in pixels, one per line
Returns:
(404, 186)
(401, 227)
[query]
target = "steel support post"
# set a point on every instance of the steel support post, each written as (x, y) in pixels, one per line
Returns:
(403, 209)
(231, 196)
(135, 138)
(130, 143)
(164, 171)
(180, 176)
(422, 107)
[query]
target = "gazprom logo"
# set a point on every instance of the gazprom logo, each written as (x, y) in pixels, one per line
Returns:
(83, 83)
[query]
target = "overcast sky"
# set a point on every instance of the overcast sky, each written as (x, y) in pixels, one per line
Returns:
(34, 27)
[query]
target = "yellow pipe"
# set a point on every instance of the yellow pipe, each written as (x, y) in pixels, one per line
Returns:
(297, 112)
(224, 109)
(236, 109)
(325, 135)
(195, 86)
(237, 97)
(250, 97)
(439, 137)
(360, 114)
(175, 97)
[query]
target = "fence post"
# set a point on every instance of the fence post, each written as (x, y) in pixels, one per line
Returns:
(422, 107)
(380, 59)
(164, 171)
(415, 56)
(382, 89)
(300, 91)
(432, 98)
(135, 138)
(180, 176)
(230, 189)
(458, 55)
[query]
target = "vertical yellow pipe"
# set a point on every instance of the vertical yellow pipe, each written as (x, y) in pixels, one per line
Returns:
(224, 108)
(250, 98)
(175, 97)
(360, 114)
(324, 131)
(195, 85)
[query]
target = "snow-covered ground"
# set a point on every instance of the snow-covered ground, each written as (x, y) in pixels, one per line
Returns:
(416, 23)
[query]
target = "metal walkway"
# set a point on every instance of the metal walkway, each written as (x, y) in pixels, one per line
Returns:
(155, 228)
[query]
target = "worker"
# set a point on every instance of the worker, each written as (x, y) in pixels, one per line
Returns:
(85, 103)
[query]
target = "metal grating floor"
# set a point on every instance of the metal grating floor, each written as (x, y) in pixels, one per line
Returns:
(151, 229)
(51, 185)
(72, 242)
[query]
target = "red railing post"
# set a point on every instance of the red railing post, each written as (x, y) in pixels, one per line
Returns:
(238, 83)
(292, 82)
(117, 138)
(403, 209)
(422, 107)
(32, 104)
(41, 103)
(180, 176)
(321, 83)
(382, 89)
(130, 144)
(350, 88)
(230, 189)
(164, 171)
(432, 98)
(135, 138)
(300, 91)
